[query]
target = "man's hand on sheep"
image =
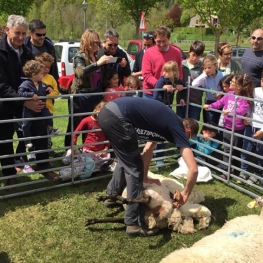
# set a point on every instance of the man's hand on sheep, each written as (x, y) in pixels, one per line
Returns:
(180, 199)
(151, 181)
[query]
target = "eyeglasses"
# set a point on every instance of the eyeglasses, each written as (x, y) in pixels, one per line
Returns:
(233, 82)
(112, 45)
(40, 35)
(96, 42)
(227, 54)
(257, 38)
(146, 35)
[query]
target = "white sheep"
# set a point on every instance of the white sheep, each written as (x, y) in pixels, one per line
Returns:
(160, 212)
(240, 240)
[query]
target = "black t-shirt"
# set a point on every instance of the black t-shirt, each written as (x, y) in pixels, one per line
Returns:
(36, 50)
(153, 120)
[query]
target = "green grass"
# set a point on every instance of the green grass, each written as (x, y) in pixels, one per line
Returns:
(48, 227)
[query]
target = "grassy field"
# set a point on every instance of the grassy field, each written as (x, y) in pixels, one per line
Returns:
(48, 227)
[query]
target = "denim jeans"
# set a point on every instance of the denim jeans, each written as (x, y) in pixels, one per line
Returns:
(248, 146)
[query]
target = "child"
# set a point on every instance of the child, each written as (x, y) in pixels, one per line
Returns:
(32, 88)
(192, 68)
(112, 80)
(209, 80)
(132, 83)
(47, 59)
(255, 130)
(96, 151)
(224, 84)
(204, 141)
(241, 85)
(170, 77)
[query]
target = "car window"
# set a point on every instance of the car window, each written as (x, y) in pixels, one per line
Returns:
(58, 52)
(241, 52)
(72, 52)
(133, 48)
(234, 52)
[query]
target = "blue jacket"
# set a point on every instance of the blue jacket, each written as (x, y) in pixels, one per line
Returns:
(163, 95)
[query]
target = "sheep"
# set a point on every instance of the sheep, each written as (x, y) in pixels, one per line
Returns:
(160, 212)
(239, 240)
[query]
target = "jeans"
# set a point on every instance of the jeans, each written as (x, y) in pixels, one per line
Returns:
(248, 146)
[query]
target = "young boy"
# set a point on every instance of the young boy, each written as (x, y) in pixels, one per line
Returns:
(33, 87)
(47, 60)
(192, 67)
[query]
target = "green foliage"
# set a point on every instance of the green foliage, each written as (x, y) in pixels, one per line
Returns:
(9, 7)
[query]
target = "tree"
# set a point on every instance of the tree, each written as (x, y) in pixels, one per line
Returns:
(134, 9)
(16, 7)
(230, 13)
(175, 14)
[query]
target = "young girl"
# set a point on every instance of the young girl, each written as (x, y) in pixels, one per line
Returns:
(204, 141)
(241, 85)
(170, 77)
(132, 83)
(209, 80)
(112, 81)
(93, 137)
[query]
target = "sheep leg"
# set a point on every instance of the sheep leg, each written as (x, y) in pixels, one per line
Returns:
(103, 220)
(121, 200)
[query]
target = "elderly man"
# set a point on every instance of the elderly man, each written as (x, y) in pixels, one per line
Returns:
(252, 60)
(111, 40)
(13, 56)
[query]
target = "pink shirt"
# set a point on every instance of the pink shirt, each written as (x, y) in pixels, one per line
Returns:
(153, 61)
(113, 96)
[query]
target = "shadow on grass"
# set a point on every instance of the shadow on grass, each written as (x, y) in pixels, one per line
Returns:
(218, 208)
(4, 258)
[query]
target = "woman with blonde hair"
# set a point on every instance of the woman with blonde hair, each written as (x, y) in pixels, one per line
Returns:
(87, 70)
(225, 62)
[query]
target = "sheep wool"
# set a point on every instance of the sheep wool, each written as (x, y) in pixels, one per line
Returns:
(240, 240)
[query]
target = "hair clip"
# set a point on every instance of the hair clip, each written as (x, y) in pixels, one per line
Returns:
(245, 75)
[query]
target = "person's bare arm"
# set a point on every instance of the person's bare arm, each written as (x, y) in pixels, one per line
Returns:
(147, 157)
(34, 105)
(189, 159)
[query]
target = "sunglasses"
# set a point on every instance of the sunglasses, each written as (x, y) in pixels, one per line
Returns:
(257, 38)
(146, 35)
(40, 35)
(112, 45)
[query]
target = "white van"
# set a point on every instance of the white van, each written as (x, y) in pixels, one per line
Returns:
(65, 51)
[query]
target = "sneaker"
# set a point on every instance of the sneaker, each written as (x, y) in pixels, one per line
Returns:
(159, 162)
(53, 131)
(243, 176)
(252, 180)
(110, 203)
(112, 167)
(137, 231)
(223, 176)
(31, 157)
(28, 169)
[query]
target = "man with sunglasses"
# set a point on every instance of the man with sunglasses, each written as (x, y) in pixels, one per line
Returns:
(148, 41)
(111, 40)
(252, 60)
(37, 42)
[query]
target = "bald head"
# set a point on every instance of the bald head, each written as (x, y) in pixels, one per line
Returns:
(257, 39)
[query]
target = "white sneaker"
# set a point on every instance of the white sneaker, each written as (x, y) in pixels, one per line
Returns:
(112, 166)
(28, 169)
(31, 157)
